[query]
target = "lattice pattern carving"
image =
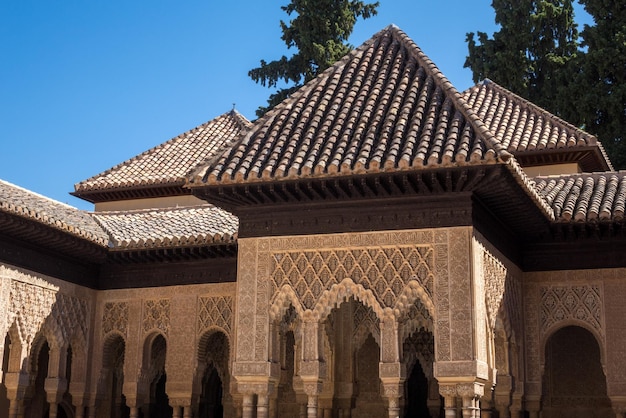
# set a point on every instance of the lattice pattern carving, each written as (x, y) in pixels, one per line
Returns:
(30, 305)
(365, 322)
(494, 273)
(71, 315)
(156, 315)
(582, 303)
(115, 318)
(215, 311)
(383, 270)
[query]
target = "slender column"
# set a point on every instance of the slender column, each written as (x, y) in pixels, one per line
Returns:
(471, 393)
(448, 392)
(248, 405)
(515, 409)
(392, 387)
(262, 407)
(274, 406)
(311, 406)
(16, 384)
(13, 407)
(91, 410)
(52, 411)
(176, 413)
(533, 406)
(187, 411)
(303, 410)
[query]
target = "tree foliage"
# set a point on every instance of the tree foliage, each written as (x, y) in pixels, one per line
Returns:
(597, 94)
(536, 40)
(538, 54)
(319, 31)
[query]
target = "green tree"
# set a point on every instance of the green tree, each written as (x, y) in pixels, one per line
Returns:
(596, 98)
(319, 31)
(536, 40)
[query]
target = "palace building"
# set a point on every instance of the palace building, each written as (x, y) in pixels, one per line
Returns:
(377, 245)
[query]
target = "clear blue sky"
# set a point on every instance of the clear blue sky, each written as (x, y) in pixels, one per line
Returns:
(85, 85)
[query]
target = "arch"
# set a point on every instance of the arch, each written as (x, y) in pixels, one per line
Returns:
(39, 342)
(39, 360)
(113, 402)
(412, 291)
(572, 356)
(212, 377)
(420, 387)
(16, 352)
(155, 376)
(343, 291)
(577, 323)
(414, 318)
(148, 347)
(285, 297)
(109, 346)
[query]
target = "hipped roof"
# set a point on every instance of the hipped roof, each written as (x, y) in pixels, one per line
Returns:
(384, 107)
(162, 170)
(532, 134)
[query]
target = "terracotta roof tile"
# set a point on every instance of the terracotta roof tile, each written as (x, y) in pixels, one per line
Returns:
(385, 106)
(171, 161)
(171, 227)
(523, 127)
(585, 197)
(17, 201)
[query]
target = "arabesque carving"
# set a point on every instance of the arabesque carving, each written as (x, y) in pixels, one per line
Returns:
(156, 315)
(115, 318)
(495, 274)
(582, 303)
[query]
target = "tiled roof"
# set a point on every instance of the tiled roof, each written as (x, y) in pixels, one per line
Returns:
(585, 197)
(171, 227)
(523, 127)
(171, 161)
(20, 202)
(383, 107)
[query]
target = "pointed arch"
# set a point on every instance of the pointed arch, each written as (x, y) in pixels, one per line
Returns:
(212, 375)
(284, 298)
(413, 291)
(343, 291)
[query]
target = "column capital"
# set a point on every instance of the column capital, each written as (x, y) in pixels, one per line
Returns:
(256, 386)
(462, 389)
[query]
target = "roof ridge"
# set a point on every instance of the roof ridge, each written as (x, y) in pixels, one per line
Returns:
(449, 89)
